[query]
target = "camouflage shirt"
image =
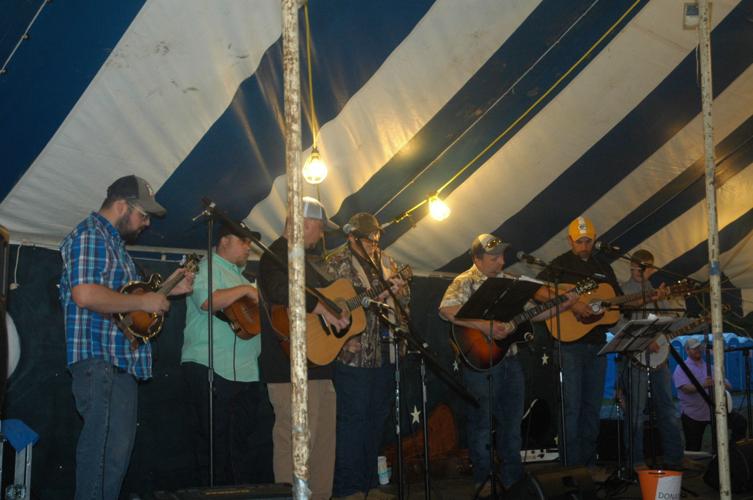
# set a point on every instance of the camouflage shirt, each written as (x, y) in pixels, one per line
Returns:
(466, 283)
(364, 350)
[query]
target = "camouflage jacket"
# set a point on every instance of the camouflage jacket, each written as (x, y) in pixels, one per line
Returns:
(364, 350)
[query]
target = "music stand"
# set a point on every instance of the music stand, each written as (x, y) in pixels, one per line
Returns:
(635, 336)
(487, 303)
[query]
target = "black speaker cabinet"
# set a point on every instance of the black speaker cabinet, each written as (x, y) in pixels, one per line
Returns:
(740, 467)
(561, 483)
(607, 445)
(278, 491)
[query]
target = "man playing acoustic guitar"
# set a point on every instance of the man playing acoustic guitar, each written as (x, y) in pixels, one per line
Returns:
(487, 252)
(104, 365)
(363, 372)
(243, 418)
(275, 364)
(583, 371)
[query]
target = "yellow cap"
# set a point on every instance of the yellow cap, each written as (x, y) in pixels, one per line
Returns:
(580, 227)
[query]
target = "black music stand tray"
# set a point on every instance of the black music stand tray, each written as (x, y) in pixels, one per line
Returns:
(636, 335)
(496, 299)
(487, 302)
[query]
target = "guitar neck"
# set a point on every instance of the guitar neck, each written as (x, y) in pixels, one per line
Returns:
(189, 265)
(535, 311)
(168, 285)
(631, 297)
(687, 328)
(371, 293)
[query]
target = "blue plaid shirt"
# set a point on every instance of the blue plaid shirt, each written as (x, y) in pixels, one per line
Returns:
(94, 253)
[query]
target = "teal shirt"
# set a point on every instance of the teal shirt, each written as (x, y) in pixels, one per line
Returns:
(234, 358)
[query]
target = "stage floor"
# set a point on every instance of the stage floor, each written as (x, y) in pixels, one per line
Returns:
(460, 486)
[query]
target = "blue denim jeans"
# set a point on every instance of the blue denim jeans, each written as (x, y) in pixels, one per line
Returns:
(363, 405)
(666, 419)
(106, 398)
(508, 398)
(583, 380)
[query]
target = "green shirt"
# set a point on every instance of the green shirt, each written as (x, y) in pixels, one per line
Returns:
(234, 358)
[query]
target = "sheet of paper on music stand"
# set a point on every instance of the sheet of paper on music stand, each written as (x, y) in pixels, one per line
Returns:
(637, 335)
(498, 298)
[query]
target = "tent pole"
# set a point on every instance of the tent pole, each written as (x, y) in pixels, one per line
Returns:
(296, 265)
(704, 35)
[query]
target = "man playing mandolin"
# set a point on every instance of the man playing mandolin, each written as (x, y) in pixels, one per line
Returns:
(242, 416)
(487, 252)
(104, 366)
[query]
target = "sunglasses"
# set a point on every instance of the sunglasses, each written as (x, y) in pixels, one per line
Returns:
(492, 243)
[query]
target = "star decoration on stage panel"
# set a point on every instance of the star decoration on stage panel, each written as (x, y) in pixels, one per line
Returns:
(415, 415)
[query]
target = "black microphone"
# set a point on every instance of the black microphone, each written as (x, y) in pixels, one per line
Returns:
(606, 247)
(238, 228)
(530, 259)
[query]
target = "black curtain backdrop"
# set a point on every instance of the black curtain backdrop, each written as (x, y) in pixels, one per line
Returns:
(39, 391)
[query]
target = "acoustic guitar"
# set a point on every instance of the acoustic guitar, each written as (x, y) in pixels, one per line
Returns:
(324, 341)
(141, 325)
(603, 303)
(479, 354)
(243, 317)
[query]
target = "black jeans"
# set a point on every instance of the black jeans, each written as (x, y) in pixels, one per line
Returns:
(243, 420)
(693, 430)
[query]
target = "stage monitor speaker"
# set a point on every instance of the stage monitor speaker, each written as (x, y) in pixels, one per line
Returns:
(607, 445)
(740, 467)
(561, 483)
(278, 491)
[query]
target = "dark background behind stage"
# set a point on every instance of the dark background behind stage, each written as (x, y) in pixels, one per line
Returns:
(39, 389)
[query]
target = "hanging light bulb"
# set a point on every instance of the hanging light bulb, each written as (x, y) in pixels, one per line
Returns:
(438, 209)
(314, 170)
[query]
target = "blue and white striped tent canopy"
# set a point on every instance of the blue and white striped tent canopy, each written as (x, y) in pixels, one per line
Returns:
(524, 113)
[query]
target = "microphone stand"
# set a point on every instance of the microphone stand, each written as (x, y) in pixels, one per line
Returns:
(209, 213)
(556, 272)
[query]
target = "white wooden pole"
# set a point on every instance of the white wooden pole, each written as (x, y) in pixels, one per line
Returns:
(720, 410)
(296, 263)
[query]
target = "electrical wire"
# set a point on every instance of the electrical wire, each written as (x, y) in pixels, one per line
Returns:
(314, 121)
(517, 120)
(24, 36)
(15, 283)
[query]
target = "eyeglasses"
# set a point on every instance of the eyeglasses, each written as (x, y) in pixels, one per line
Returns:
(144, 216)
